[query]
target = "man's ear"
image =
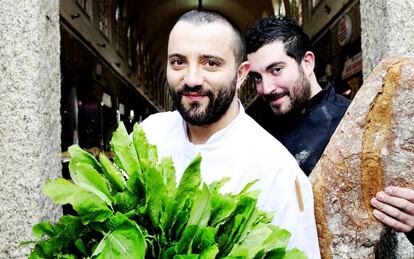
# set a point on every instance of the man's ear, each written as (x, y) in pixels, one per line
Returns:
(308, 63)
(242, 73)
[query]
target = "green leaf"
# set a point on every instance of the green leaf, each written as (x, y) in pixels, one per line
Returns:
(66, 231)
(84, 157)
(180, 221)
(222, 207)
(66, 256)
(37, 253)
(124, 242)
(190, 180)
(177, 209)
(201, 208)
(216, 185)
(168, 173)
(44, 249)
(111, 173)
(294, 254)
(168, 253)
(86, 177)
(169, 215)
(204, 239)
(69, 226)
(247, 188)
(184, 245)
(155, 194)
(230, 232)
(257, 217)
(81, 247)
(89, 206)
(190, 256)
(262, 238)
(44, 228)
(278, 238)
(275, 253)
(209, 252)
(125, 152)
(135, 185)
(126, 201)
(145, 151)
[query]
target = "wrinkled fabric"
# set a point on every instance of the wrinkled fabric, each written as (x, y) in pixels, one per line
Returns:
(306, 135)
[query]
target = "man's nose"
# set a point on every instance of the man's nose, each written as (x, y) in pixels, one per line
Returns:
(193, 76)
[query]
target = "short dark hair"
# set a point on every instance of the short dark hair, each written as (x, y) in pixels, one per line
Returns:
(278, 28)
(196, 17)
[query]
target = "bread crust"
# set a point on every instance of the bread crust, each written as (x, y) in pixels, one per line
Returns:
(372, 147)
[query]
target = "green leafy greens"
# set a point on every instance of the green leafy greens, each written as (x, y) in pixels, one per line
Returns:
(133, 208)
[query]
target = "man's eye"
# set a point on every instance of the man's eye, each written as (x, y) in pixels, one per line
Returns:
(257, 79)
(212, 63)
(276, 70)
(176, 62)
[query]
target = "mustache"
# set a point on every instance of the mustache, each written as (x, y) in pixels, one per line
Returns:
(274, 96)
(195, 89)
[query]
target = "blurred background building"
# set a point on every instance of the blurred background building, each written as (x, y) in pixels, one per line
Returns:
(113, 56)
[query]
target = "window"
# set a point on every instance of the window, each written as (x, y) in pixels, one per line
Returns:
(82, 4)
(129, 46)
(279, 7)
(289, 8)
(86, 6)
(296, 10)
(120, 31)
(103, 16)
(315, 3)
(139, 57)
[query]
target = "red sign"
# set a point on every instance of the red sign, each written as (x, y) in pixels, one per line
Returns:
(344, 30)
(352, 66)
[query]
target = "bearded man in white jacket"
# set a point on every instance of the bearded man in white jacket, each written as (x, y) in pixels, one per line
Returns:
(206, 67)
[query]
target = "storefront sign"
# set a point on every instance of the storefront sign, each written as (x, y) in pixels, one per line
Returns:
(352, 66)
(344, 30)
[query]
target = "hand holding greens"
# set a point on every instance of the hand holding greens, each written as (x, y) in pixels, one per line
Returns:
(133, 208)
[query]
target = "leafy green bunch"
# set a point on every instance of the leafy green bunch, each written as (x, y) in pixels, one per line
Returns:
(133, 208)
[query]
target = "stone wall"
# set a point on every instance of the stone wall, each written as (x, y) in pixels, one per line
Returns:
(29, 117)
(387, 30)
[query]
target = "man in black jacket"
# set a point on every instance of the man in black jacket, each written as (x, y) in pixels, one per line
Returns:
(282, 67)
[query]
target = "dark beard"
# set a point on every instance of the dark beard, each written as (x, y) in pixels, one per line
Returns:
(301, 93)
(217, 106)
(299, 96)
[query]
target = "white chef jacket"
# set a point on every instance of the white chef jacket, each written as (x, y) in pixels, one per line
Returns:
(244, 151)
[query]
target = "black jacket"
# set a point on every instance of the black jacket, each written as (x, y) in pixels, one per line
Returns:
(306, 135)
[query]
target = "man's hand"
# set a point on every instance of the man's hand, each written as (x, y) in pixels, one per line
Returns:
(395, 208)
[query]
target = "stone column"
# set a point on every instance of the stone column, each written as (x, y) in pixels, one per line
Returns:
(387, 29)
(29, 117)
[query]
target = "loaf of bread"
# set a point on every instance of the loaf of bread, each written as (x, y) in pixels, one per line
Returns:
(372, 147)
